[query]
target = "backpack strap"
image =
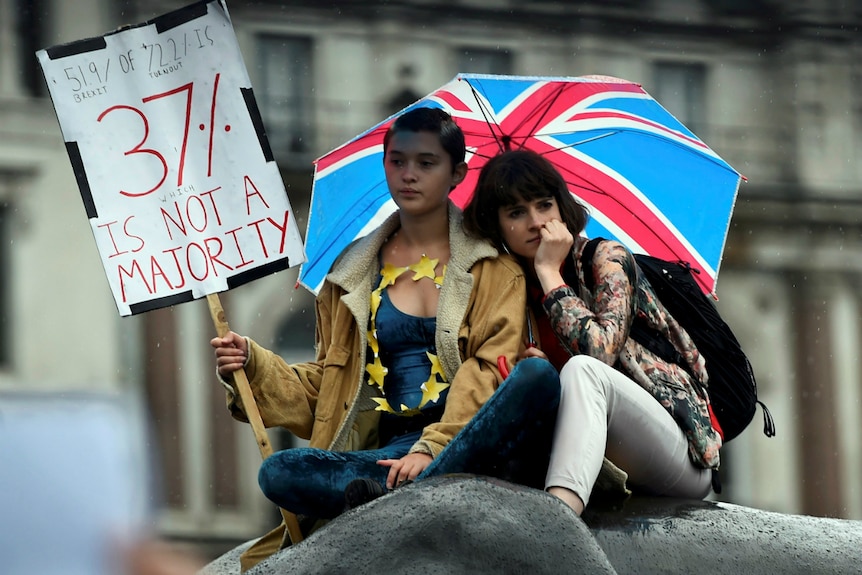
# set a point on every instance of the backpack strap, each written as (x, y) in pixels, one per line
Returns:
(639, 331)
(587, 262)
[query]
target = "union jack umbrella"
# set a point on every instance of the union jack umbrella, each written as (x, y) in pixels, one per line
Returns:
(647, 180)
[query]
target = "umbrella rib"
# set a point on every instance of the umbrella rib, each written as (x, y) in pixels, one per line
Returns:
(592, 139)
(588, 140)
(707, 157)
(492, 123)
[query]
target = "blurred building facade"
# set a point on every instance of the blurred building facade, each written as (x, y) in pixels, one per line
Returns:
(773, 87)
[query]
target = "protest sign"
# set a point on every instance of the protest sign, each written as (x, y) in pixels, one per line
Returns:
(171, 158)
(174, 167)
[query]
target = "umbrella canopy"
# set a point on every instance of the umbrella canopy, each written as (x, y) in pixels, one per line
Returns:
(647, 180)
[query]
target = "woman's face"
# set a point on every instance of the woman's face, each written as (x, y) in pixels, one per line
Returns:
(419, 172)
(520, 224)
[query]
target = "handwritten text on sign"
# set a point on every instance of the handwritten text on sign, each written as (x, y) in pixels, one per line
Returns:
(169, 151)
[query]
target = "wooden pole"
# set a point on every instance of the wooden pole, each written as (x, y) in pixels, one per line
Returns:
(251, 411)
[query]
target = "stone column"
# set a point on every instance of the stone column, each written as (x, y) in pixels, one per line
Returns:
(820, 472)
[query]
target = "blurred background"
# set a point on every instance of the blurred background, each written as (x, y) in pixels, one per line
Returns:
(774, 87)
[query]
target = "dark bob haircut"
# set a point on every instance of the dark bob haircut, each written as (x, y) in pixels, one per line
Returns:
(514, 176)
(437, 122)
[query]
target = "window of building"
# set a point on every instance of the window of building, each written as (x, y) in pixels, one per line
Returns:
(29, 16)
(6, 183)
(284, 92)
(681, 88)
(856, 76)
(484, 60)
(406, 94)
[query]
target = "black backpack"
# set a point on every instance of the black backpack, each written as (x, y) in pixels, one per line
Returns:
(732, 388)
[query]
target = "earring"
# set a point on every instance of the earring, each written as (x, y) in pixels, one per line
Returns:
(506, 248)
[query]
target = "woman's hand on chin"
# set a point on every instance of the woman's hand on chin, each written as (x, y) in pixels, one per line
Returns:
(555, 247)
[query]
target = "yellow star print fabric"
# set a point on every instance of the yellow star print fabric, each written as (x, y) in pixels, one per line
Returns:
(431, 390)
(436, 384)
(425, 268)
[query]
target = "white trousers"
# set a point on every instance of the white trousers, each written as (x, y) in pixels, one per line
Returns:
(604, 413)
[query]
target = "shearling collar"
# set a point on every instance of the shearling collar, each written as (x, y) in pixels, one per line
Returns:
(351, 269)
(358, 266)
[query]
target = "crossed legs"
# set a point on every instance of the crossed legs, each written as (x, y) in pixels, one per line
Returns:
(604, 413)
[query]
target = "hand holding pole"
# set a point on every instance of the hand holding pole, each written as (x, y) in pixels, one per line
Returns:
(251, 411)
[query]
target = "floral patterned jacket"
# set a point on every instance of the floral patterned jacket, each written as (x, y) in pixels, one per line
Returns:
(598, 324)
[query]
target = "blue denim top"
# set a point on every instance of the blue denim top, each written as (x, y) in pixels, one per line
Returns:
(403, 340)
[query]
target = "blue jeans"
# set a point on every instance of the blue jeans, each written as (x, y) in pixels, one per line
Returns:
(509, 437)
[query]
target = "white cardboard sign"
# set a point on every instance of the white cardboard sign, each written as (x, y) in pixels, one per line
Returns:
(171, 158)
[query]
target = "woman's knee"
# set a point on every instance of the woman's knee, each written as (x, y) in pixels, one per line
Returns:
(266, 476)
(274, 476)
(585, 373)
(535, 375)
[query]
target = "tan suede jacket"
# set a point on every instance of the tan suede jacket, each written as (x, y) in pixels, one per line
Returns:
(480, 317)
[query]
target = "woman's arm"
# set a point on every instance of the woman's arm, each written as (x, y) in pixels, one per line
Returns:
(493, 326)
(602, 331)
(286, 394)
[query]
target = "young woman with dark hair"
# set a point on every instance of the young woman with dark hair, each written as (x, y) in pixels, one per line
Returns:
(618, 400)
